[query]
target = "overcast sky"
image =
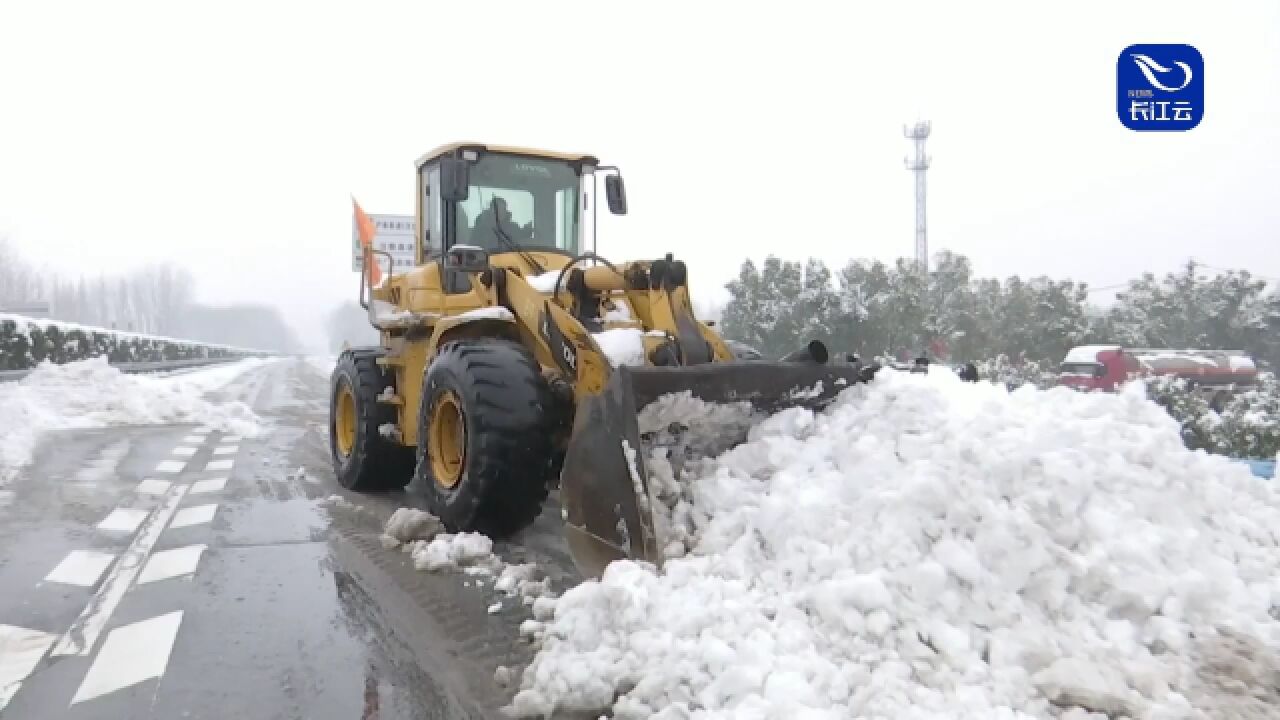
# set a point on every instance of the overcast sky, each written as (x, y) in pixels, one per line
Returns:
(230, 138)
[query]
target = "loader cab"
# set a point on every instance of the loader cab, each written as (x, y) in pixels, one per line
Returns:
(502, 199)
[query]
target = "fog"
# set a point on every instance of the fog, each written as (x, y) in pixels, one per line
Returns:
(228, 139)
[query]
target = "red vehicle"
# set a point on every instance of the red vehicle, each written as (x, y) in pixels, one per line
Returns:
(1215, 373)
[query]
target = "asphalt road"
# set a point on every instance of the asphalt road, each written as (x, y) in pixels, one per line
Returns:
(178, 572)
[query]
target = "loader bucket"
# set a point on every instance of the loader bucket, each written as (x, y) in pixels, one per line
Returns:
(604, 486)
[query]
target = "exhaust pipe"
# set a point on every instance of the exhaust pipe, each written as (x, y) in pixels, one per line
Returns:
(815, 352)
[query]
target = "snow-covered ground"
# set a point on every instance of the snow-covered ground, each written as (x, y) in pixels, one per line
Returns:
(929, 548)
(322, 364)
(91, 394)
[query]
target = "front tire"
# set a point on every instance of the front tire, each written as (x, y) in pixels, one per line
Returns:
(485, 450)
(363, 459)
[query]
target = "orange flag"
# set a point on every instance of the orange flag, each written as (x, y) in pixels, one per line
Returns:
(364, 227)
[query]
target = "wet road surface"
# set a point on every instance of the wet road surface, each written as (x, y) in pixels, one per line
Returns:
(180, 572)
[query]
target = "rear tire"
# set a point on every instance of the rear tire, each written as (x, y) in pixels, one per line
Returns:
(485, 450)
(363, 460)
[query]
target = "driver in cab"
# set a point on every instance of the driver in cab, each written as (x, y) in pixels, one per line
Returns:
(496, 231)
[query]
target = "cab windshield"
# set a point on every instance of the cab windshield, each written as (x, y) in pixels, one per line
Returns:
(530, 202)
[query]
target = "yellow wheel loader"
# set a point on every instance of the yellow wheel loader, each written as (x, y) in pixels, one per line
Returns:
(511, 361)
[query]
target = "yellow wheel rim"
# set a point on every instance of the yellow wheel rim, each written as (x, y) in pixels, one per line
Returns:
(448, 440)
(346, 420)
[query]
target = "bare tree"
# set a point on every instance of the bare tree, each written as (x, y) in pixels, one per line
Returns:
(19, 281)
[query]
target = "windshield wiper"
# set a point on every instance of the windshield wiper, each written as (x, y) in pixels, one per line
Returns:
(506, 239)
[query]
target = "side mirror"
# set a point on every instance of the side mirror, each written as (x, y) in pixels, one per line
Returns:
(616, 193)
(455, 179)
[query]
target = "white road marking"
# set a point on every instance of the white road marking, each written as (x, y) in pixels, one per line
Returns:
(83, 633)
(171, 466)
(226, 450)
(231, 439)
(131, 654)
(171, 563)
(202, 431)
(123, 520)
(194, 439)
(80, 567)
(20, 651)
(184, 451)
(208, 486)
(194, 515)
(153, 487)
(220, 465)
(6, 497)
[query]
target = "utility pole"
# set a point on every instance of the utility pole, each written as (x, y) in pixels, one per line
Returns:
(918, 165)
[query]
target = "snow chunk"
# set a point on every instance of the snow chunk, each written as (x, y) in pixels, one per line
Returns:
(619, 312)
(409, 524)
(92, 394)
(622, 346)
(452, 551)
(546, 282)
(927, 547)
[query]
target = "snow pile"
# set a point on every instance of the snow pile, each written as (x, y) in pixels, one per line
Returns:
(931, 548)
(91, 394)
(622, 346)
(673, 428)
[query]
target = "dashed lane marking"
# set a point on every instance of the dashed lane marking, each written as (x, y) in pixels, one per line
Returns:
(184, 451)
(208, 486)
(172, 563)
(80, 567)
(131, 654)
(226, 450)
(20, 651)
(171, 466)
(220, 464)
(153, 487)
(231, 438)
(6, 497)
(194, 515)
(84, 632)
(123, 520)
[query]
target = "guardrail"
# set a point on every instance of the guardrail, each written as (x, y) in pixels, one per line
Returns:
(134, 367)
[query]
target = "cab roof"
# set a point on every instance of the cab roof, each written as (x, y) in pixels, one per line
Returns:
(508, 149)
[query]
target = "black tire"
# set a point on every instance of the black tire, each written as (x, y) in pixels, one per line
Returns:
(374, 463)
(508, 455)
